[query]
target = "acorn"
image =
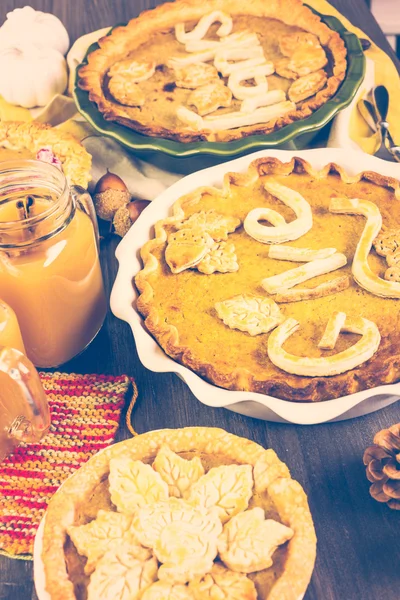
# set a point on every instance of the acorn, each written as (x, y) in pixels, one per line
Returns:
(110, 194)
(126, 215)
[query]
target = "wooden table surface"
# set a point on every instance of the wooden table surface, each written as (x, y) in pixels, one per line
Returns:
(358, 539)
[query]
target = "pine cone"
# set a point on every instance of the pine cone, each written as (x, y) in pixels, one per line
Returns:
(383, 466)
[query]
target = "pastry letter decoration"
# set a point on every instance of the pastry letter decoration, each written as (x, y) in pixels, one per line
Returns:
(205, 50)
(333, 286)
(203, 26)
(258, 73)
(334, 327)
(299, 254)
(290, 278)
(273, 97)
(233, 119)
(326, 366)
(361, 270)
(244, 58)
(283, 232)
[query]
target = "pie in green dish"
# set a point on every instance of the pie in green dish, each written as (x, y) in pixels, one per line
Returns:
(124, 69)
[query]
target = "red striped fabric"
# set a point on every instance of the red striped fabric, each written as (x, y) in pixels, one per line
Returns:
(85, 412)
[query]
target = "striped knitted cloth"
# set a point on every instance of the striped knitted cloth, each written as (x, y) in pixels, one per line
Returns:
(85, 412)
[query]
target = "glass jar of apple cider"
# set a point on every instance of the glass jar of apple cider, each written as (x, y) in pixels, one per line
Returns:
(49, 261)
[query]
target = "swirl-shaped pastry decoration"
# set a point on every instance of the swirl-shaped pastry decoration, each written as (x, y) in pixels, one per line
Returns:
(282, 232)
(325, 366)
(361, 270)
(203, 26)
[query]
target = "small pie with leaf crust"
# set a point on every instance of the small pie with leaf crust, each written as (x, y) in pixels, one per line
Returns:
(220, 70)
(285, 281)
(185, 514)
(33, 140)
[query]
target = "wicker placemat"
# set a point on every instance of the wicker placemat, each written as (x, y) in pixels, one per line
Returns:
(85, 414)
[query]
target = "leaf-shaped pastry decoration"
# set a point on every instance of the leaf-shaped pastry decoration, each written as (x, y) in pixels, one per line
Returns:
(134, 484)
(149, 521)
(186, 248)
(249, 541)
(123, 574)
(176, 471)
(95, 538)
(228, 488)
(246, 312)
(185, 551)
(195, 75)
(290, 43)
(210, 97)
(161, 590)
(307, 86)
(223, 584)
(215, 224)
(282, 69)
(307, 60)
(133, 70)
(387, 242)
(221, 258)
(126, 91)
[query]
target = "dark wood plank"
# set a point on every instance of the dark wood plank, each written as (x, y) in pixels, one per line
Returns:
(358, 550)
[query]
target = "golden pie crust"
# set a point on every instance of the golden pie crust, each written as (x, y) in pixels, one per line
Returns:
(20, 139)
(282, 498)
(179, 309)
(151, 37)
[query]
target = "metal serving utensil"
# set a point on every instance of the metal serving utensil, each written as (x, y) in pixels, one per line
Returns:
(380, 104)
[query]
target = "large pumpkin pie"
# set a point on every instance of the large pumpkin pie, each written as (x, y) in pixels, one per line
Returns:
(285, 282)
(185, 514)
(217, 70)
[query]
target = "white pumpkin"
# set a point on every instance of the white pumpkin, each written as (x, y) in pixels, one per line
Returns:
(31, 76)
(27, 25)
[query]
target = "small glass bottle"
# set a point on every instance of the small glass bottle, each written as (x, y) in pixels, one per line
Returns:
(49, 261)
(24, 411)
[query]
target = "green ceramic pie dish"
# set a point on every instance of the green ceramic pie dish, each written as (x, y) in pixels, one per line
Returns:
(220, 151)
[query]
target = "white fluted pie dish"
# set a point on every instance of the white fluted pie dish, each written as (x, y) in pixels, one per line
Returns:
(124, 295)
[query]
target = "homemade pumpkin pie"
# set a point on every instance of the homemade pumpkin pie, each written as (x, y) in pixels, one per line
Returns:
(32, 140)
(285, 281)
(219, 70)
(185, 514)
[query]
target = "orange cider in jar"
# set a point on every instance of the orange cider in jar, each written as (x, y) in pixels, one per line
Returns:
(49, 262)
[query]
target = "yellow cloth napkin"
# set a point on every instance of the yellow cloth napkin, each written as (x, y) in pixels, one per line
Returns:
(61, 111)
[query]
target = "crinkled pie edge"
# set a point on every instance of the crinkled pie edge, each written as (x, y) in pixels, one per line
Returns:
(271, 476)
(123, 40)
(32, 136)
(386, 369)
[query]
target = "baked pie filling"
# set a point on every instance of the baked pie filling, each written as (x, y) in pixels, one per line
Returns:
(188, 514)
(182, 73)
(285, 281)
